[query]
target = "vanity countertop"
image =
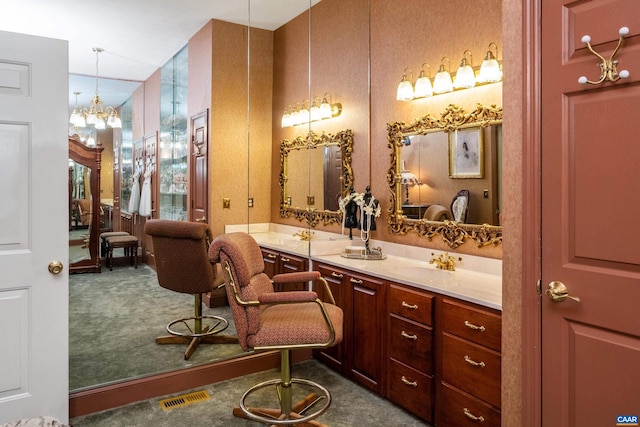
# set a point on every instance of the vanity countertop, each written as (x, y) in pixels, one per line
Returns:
(467, 283)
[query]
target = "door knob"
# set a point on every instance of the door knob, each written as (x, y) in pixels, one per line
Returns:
(557, 291)
(55, 267)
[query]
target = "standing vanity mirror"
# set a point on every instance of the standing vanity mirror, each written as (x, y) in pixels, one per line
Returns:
(437, 159)
(84, 206)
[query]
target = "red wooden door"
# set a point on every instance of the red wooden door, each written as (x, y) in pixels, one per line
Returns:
(199, 178)
(590, 204)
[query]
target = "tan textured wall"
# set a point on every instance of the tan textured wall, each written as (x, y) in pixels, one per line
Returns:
(152, 104)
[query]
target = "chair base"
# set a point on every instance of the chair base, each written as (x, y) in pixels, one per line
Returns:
(202, 336)
(297, 415)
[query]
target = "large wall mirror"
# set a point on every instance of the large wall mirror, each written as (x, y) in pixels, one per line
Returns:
(315, 171)
(84, 206)
(445, 176)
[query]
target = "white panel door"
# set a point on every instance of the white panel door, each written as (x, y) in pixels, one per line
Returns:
(33, 227)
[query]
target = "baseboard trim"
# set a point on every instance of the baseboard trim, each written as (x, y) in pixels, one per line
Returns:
(114, 395)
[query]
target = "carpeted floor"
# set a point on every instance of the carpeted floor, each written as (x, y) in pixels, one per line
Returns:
(114, 318)
(351, 405)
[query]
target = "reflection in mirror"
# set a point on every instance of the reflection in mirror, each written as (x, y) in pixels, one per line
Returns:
(315, 171)
(434, 160)
(84, 206)
(79, 212)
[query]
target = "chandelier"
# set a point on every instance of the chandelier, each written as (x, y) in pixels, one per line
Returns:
(96, 115)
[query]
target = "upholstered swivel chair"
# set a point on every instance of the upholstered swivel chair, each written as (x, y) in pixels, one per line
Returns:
(268, 320)
(460, 206)
(437, 213)
(182, 265)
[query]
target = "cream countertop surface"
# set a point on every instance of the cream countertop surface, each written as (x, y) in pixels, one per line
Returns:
(476, 279)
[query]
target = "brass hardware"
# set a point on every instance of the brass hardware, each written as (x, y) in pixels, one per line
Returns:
(55, 267)
(356, 281)
(311, 200)
(558, 292)
(283, 259)
(444, 262)
(305, 235)
(203, 219)
(410, 306)
(409, 383)
(608, 67)
(479, 419)
(338, 275)
(539, 287)
(472, 362)
(272, 256)
(406, 335)
(474, 327)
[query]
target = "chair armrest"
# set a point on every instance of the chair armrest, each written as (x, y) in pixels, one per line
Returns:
(299, 276)
(287, 297)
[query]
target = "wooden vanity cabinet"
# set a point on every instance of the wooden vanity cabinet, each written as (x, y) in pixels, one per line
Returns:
(276, 262)
(362, 299)
(410, 362)
(470, 365)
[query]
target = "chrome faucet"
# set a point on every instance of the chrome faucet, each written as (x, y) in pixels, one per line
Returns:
(444, 262)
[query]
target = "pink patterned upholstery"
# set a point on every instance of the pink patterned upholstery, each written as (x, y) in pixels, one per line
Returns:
(274, 320)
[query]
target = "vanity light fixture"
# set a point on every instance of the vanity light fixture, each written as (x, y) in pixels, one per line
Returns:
(442, 82)
(465, 76)
(490, 69)
(316, 112)
(423, 86)
(96, 115)
(405, 88)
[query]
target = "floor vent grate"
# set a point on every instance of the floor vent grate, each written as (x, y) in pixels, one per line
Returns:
(184, 400)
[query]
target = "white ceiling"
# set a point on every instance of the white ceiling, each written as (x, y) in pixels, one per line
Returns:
(138, 36)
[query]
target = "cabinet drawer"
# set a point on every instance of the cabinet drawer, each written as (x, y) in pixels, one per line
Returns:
(411, 344)
(411, 389)
(471, 368)
(412, 304)
(458, 409)
(475, 324)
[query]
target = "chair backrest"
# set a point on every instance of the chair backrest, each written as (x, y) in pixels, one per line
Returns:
(246, 265)
(460, 206)
(436, 213)
(181, 255)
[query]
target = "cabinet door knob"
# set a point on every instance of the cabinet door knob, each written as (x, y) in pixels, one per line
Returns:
(334, 274)
(272, 256)
(283, 259)
(356, 281)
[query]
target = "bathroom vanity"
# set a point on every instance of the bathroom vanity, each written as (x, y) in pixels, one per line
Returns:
(427, 339)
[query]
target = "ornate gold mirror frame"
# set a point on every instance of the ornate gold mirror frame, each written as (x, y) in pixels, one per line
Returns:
(343, 139)
(454, 234)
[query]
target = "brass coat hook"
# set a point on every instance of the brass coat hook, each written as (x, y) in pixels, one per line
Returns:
(608, 67)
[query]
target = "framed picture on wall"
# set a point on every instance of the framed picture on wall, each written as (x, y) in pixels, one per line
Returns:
(466, 154)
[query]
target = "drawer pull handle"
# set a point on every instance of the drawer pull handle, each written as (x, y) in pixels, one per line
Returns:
(474, 327)
(272, 256)
(338, 275)
(472, 362)
(356, 281)
(409, 383)
(285, 259)
(406, 335)
(410, 306)
(479, 419)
